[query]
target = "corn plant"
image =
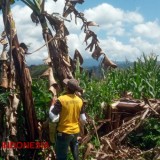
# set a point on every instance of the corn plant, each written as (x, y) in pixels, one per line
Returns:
(41, 97)
(141, 79)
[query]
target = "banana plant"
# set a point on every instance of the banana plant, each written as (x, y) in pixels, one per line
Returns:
(17, 56)
(56, 44)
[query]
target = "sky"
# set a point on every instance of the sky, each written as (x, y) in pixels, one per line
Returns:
(127, 28)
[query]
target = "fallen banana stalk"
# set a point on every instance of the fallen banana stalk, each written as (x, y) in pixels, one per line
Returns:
(120, 133)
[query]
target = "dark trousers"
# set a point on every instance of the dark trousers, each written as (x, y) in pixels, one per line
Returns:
(63, 141)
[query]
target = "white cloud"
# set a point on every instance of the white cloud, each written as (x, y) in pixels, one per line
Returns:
(133, 17)
(145, 46)
(23, 14)
(104, 13)
(148, 29)
(51, 6)
(118, 31)
(112, 19)
(117, 51)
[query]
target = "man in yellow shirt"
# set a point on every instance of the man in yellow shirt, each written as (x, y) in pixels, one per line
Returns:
(70, 109)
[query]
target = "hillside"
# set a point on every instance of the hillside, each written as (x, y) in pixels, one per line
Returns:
(37, 70)
(89, 64)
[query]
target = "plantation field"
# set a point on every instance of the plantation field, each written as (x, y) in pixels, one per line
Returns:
(142, 79)
(121, 100)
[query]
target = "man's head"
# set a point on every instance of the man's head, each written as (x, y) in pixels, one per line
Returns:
(72, 85)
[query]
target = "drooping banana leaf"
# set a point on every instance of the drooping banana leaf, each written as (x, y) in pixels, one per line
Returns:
(31, 5)
(38, 3)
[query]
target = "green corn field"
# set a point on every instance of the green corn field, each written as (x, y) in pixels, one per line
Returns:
(141, 78)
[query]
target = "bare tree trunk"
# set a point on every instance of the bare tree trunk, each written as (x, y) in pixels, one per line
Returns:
(57, 48)
(26, 96)
(22, 79)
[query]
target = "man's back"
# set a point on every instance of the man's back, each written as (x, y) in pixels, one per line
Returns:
(70, 113)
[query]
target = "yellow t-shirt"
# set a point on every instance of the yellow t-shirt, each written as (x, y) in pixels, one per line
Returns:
(70, 113)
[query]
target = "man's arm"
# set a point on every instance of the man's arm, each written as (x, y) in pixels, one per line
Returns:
(54, 111)
(83, 118)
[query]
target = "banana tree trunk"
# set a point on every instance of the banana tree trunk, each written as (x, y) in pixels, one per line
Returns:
(48, 37)
(26, 96)
(22, 80)
(58, 51)
(60, 70)
(57, 46)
